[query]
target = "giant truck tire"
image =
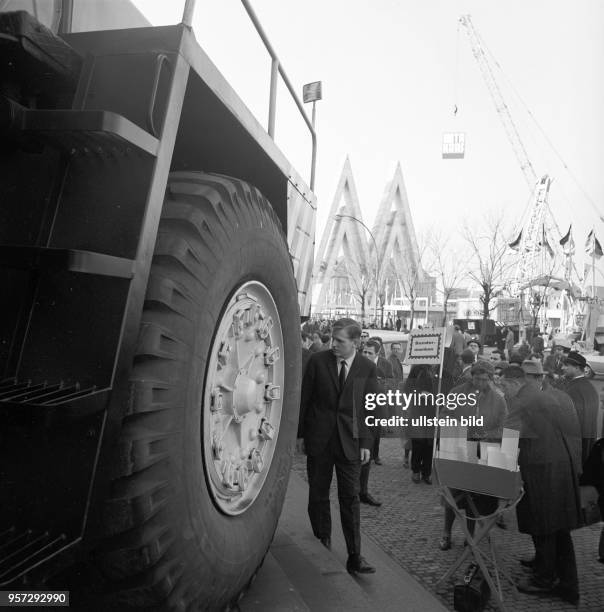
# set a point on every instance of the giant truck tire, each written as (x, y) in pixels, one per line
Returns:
(206, 445)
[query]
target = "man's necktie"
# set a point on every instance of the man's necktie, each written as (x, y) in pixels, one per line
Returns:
(342, 376)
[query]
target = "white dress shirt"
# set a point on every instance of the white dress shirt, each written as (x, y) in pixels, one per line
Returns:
(348, 364)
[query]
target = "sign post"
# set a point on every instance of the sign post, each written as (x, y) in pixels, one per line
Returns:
(311, 92)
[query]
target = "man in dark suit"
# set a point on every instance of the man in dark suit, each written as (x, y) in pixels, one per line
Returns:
(371, 350)
(332, 424)
(585, 398)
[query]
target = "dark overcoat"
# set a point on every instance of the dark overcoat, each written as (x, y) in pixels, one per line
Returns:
(551, 498)
(423, 406)
(586, 401)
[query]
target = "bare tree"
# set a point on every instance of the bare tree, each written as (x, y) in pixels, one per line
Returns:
(411, 277)
(490, 265)
(381, 292)
(538, 296)
(448, 267)
(361, 282)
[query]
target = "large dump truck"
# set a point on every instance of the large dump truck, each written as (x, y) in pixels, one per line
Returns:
(155, 258)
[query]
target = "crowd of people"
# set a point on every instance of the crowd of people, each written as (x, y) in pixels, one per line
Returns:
(547, 399)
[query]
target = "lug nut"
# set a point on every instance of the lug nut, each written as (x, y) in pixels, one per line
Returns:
(223, 353)
(266, 431)
(272, 392)
(217, 402)
(217, 447)
(228, 474)
(256, 461)
(271, 356)
(242, 477)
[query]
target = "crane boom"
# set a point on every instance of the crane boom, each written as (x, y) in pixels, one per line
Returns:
(500, 105)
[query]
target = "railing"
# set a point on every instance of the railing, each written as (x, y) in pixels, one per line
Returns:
(276, 70)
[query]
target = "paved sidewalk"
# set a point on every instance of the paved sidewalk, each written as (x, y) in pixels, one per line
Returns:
(300, 575)
(408, 527)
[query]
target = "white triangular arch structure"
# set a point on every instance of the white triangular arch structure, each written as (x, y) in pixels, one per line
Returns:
(344, 241)
(395, 233)
(347, 250)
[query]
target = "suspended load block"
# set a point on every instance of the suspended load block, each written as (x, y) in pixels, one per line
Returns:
(454, 145)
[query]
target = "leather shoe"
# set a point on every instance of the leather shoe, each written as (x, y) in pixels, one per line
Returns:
(528, 562)
(357, 565)
(326, 542)
(377, 461)
(367, 499)
(567, 594)
(531, 587)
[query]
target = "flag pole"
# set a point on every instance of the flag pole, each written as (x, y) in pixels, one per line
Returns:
(593, 273)
(593, 263)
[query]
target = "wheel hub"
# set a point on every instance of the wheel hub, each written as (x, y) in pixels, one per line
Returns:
(242, 402)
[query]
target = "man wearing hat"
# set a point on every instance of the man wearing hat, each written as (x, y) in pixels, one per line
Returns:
(550, 508)
(563, 409)
(585, 398)
(533, 370)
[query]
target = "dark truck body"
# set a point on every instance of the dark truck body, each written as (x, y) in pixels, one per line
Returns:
(474, 328)
(83, 173)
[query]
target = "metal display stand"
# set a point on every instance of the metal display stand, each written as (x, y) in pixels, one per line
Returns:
(467, 477)
(506, 487)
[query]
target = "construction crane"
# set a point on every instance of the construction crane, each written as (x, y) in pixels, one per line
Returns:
(540, 221)
(478, 50)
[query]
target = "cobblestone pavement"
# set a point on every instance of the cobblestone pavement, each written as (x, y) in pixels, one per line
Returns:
(408, 526)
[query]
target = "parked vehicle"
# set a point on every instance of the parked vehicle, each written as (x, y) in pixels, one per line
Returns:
(155, 256)
(474, 328)
(595, 364)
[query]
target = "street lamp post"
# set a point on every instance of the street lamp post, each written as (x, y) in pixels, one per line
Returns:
(378, 266)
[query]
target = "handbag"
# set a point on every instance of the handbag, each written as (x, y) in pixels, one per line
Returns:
(473, 594)
(590, 511)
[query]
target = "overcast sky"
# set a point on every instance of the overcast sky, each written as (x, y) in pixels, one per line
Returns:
(389, 84)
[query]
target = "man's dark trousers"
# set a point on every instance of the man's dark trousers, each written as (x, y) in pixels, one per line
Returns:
(320, 472)
(555, 557)
(377, 434)
(366, 468)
